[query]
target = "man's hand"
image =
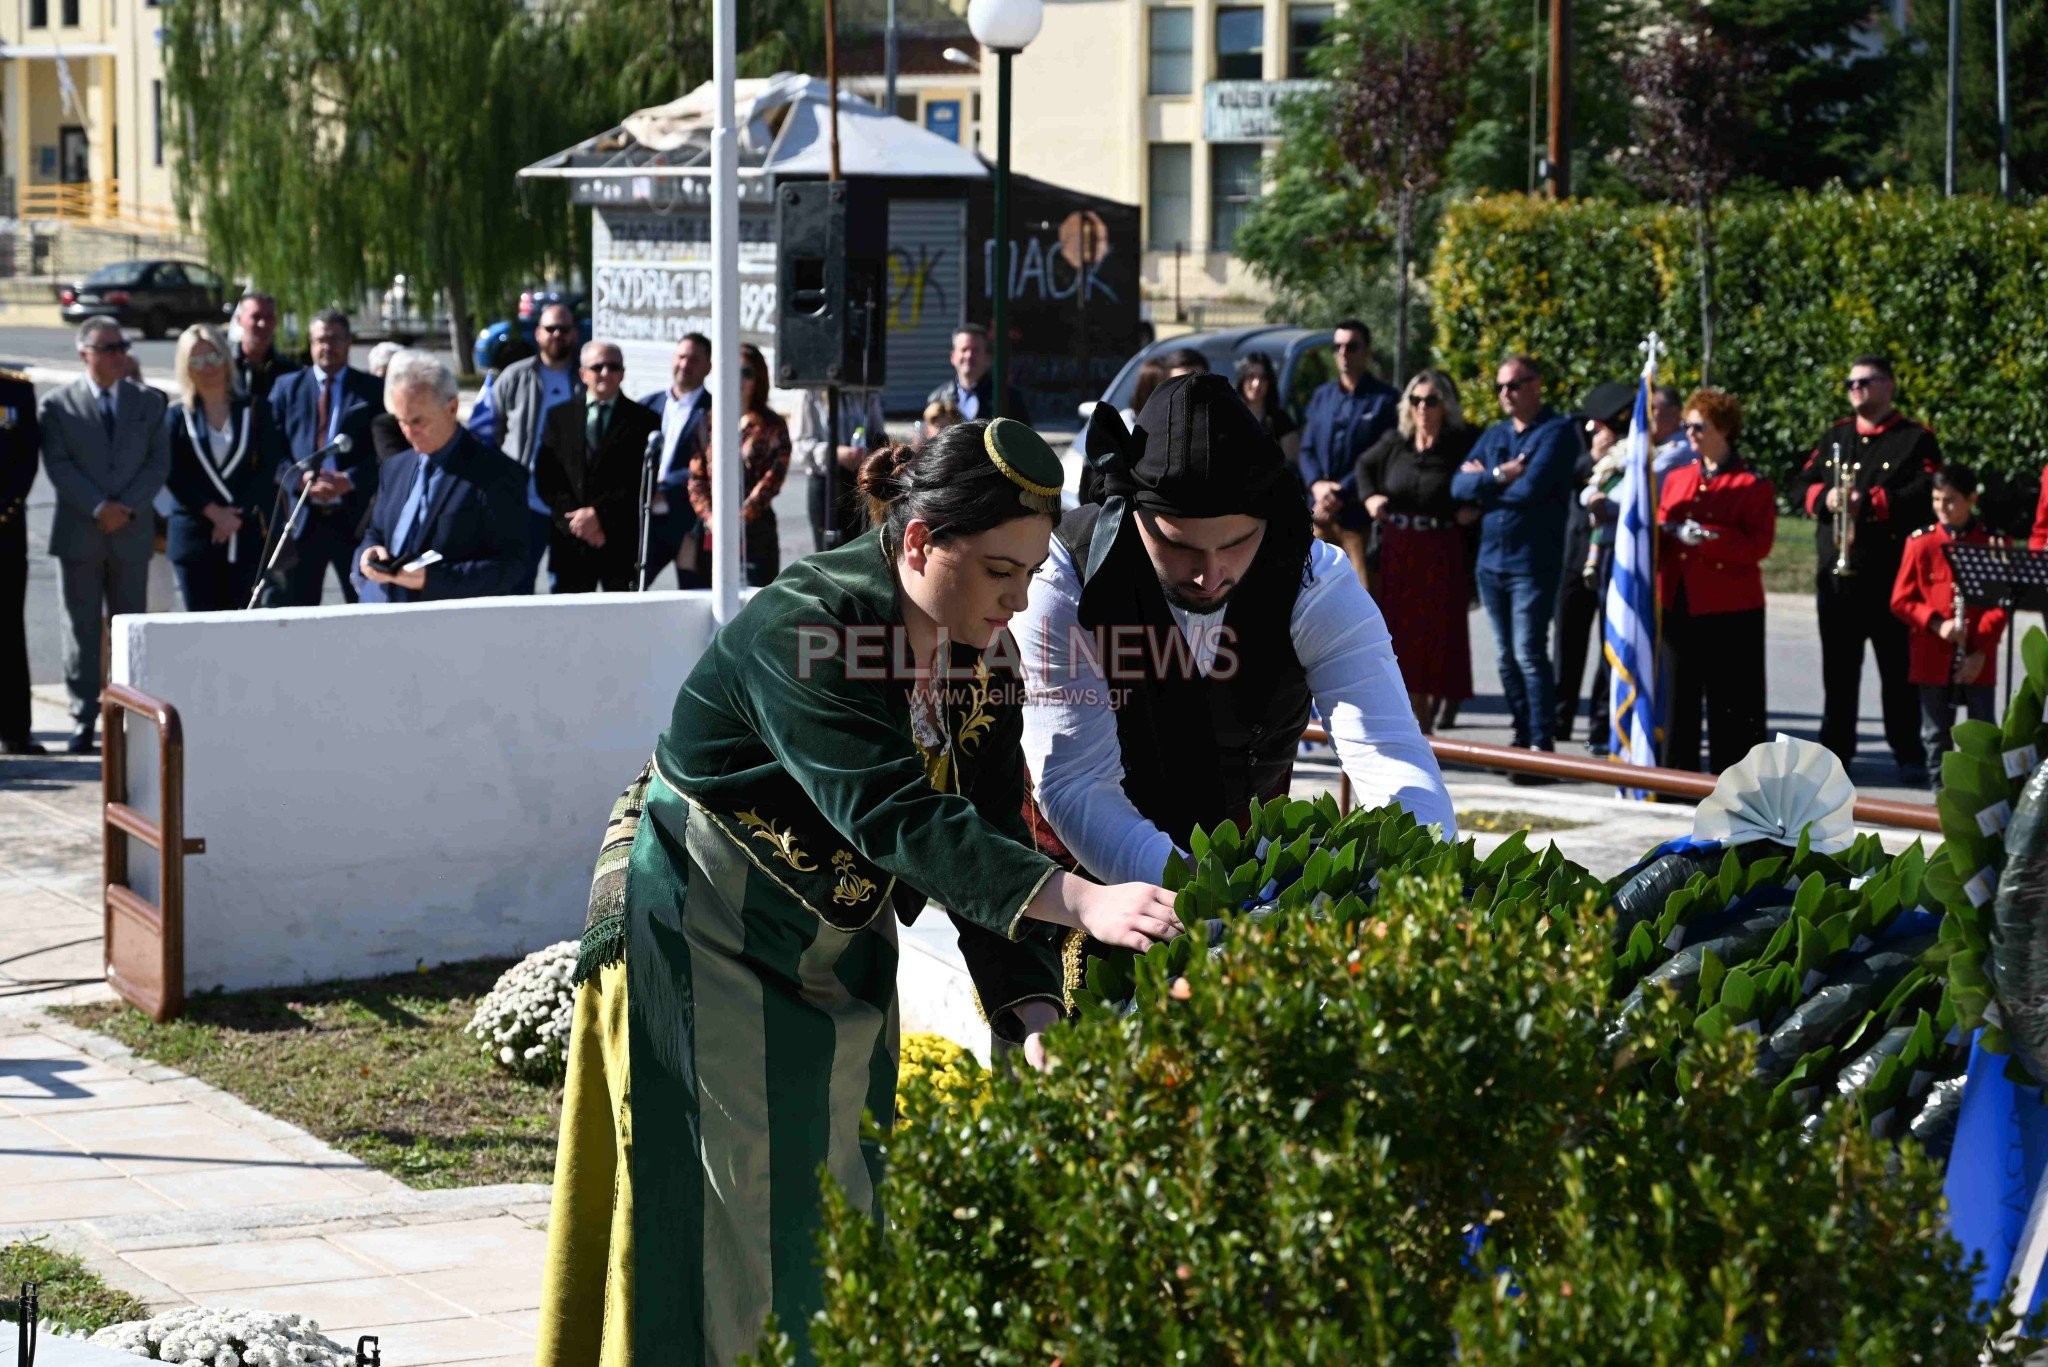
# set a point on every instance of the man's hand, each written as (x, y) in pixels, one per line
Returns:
(1973, 665)
(1376, 505)
(1467, 514)
(583, 525)
(112, 517)
(227, 523)
(1327, 499)
(1474, 466)
(1834, 499)
(850, 457)
(1037, 1017)
(1510, 471)
(1949, 631)
(405, 579)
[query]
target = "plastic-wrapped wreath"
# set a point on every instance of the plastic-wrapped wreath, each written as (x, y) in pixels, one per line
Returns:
(524, 1019)
(200, 1337)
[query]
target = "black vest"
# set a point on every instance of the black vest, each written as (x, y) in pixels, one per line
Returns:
(1196, 750)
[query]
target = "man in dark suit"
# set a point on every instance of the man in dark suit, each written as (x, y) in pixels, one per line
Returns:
(107, 451)
(19, 445)
(450, 494)
(312, 407)
(972, 389)
(588, 473)
(684, 411)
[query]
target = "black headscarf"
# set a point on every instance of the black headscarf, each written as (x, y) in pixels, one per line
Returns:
(1197, 451)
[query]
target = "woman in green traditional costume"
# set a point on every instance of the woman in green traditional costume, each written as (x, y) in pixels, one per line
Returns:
(845, 749)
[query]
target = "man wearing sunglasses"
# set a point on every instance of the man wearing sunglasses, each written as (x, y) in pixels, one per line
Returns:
(1885, 462)
(513, 409)
(1520, 474)
(107, 451)
(588, 473)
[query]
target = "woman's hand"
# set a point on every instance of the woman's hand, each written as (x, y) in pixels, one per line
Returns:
(1132, 916)
(1376, 505)
(227, 523)
(1037, 1017)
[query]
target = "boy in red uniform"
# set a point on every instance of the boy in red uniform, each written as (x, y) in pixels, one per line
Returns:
(1951, 661)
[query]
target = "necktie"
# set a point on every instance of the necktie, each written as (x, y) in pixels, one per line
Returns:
(107, 414)
(414, 513)
(321, 414)
(594, 432)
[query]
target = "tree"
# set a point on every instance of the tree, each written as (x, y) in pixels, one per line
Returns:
(1692, 128)
(330, 145)
(1397, 107)
(1920, 144)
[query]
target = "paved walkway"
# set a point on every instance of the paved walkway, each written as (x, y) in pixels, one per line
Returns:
(181, 1194)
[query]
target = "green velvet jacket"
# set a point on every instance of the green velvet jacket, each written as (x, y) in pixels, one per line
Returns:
(791, 734)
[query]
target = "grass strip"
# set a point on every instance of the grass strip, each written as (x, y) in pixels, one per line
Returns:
(69, 1295)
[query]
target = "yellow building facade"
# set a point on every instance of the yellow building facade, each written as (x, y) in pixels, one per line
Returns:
(1168, 105)
(82, 113)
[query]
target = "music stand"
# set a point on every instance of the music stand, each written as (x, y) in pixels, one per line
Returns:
(2009, 577)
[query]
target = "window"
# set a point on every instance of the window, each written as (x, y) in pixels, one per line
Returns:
(38, 13)
(169, 276)
(156, 114)
(1169, 197)
(70, 13)
(1233, 190)
(906, 107)
(1172, 65)
(1306, 25)
(1240, 44)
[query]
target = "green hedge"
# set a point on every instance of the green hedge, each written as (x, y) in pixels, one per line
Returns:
(1955, 291)
(1388, 1137)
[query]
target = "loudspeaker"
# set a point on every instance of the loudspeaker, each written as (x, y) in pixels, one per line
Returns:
(831, 284)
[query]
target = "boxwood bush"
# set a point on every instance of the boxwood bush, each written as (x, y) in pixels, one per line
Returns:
(1955, 291)
(1388, 1136)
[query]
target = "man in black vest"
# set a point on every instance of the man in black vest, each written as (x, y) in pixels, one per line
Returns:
(1882, 463)
(1219, 618)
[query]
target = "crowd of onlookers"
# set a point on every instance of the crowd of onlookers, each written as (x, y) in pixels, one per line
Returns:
(270, 474)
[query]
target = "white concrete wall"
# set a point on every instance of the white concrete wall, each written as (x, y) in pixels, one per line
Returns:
(383, 787)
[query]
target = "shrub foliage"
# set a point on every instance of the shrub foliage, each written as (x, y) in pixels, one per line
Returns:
(1955, 291)
(1389, 1137)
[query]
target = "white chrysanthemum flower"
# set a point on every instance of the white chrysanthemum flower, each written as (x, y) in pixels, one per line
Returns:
(199, 1337)
(524, 1021)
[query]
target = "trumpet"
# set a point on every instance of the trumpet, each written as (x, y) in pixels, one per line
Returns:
(1845, 515)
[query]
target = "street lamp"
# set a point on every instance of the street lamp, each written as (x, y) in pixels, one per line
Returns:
(1004, 27)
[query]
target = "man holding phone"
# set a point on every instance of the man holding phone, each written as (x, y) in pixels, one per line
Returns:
(450, 516)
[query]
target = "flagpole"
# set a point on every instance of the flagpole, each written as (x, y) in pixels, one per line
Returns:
(1652, 347)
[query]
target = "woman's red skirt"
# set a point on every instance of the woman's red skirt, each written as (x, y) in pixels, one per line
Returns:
(1425, 592)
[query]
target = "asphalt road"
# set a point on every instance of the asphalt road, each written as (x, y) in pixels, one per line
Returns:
(1793, 646)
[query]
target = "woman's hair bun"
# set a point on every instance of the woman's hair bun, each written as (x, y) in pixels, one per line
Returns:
(882, 478)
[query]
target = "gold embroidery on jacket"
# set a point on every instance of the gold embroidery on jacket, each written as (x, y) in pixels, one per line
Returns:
(853, 889)
(783, 842)
(979, 718)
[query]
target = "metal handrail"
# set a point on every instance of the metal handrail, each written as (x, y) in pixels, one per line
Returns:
(1681, 783)
(143, 942)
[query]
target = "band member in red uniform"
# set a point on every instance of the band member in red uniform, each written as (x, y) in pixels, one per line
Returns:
(1717, 516)
(1954, 646)
(1869, 475)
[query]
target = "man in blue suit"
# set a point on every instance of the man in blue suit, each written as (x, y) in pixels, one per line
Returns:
(1520, 475)
(685, 412)
(450, 494)
(312, 407)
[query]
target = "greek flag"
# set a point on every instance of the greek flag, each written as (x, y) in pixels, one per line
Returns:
(1631, 617)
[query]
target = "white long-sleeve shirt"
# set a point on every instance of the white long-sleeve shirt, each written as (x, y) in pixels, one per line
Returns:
(1070, 740)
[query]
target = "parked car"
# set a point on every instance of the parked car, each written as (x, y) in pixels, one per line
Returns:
(154, 296)
(502, 343)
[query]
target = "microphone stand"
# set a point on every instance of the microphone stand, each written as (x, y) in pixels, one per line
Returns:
(282, 530)
(647, 472)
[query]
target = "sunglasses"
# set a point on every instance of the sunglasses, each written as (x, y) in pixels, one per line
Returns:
(1862, 381)
(1510, 386)
(556, 327)
(1424, 401)
(603, 367)
(1693, 429)
(206, 361)
(108, 348)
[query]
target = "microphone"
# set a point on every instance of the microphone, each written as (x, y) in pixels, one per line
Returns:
(340, 446)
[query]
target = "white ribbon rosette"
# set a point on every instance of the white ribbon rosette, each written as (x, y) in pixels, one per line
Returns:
(1778, 789)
